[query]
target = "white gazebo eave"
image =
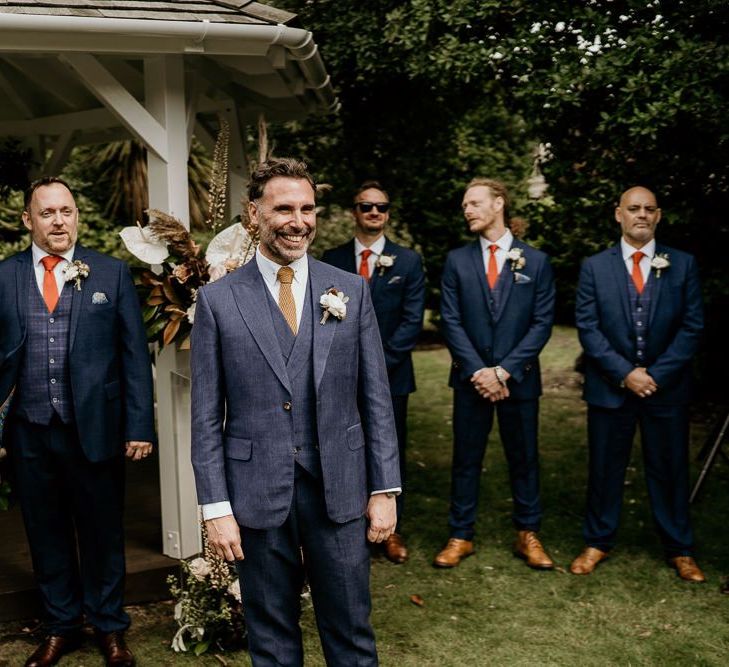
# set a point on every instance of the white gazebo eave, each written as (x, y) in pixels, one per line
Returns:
(157, 81)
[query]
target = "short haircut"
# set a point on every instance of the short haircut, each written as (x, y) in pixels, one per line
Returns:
(287, 167)
(370, 185)
(497, 188)
(39, 183)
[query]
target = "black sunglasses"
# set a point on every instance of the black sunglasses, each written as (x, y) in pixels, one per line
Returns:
(366, 206)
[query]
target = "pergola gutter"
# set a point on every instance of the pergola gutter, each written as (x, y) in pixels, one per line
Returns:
(75, 34)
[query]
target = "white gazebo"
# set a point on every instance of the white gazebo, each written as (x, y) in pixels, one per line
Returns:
(92, 71)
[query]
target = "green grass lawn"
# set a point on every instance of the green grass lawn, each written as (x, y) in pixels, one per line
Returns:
(493, 610)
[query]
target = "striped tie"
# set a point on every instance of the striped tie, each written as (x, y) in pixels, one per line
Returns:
(286, 297)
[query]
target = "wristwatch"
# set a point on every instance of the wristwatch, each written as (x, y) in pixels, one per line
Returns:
(500, 375)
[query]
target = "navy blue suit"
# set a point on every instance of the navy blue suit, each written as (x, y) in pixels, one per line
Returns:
(510, 333)
(619, 333)
(398, 295)
(69, 465)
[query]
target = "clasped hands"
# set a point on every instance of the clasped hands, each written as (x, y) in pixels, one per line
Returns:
(137, 450)
(640, 383)
(486, 383)
(224, 532)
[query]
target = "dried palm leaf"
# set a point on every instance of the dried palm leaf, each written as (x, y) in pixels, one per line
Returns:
(172, 232)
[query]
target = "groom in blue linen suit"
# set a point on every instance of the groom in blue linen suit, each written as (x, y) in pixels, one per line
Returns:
(293, 441)
(497, 307)
(639, 316)
(397, 285)
(75, 353)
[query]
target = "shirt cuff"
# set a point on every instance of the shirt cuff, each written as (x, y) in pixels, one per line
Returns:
(396, 490)
(216, 510)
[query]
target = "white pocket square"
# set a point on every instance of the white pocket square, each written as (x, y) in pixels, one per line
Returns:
(394, 279)
(99, 297)
(521, 277)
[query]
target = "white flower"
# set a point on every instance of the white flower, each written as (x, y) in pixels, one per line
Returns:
(516, 257)
(333, 303)
(536, 27)
(190, 313)
(217, 272)
(496, 55)
(199, 568)
(384, 262)
(76, 271)
(234, 589)
(660, 262)
(559, 27)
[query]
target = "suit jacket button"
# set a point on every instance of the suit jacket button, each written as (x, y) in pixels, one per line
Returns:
(287, 405)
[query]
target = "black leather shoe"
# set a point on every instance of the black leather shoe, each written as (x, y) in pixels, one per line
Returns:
(52, 649)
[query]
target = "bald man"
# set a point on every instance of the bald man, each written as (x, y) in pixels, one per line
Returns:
(639, 316)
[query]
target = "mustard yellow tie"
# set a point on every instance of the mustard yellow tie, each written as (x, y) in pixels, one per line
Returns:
(286, 296)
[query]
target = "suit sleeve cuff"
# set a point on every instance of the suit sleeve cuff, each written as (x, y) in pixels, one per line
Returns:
(396, 490)
(216, 510)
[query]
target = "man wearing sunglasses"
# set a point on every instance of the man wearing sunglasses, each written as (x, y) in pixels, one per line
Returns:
(397, 285)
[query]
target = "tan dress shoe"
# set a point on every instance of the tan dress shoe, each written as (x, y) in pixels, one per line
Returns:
(687, 569)
(395, 549)
(587, 561)
(454, 552)
(53, 648)
(528, 547)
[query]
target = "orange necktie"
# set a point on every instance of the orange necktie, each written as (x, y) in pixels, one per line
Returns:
(286, 297)
(493, 273)
(637, 273)
(364, 266)
(50, 288)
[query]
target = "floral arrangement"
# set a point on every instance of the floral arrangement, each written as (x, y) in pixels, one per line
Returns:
(517, 259)
(660, 262)
(169, 294)
(208, 609)
(75, 272)
(334, 303)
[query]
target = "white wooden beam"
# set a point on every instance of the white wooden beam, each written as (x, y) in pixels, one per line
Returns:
(119, 101)
(58, 124)
(16, 97)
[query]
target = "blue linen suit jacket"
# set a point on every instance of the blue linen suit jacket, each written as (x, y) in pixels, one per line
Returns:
(607, 334)
(109, 364)
(242, 426)
(398, 296)
(514, 336)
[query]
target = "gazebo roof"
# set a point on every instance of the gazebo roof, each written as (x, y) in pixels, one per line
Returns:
(57, 57)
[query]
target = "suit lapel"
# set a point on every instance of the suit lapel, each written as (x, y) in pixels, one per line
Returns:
(477, 262)
(250, 297)
(76, 297)
(320, 281)
(377, 280)
(620, 274)
(23, 278)
(506, 279)
(657, 287)
(348, 260)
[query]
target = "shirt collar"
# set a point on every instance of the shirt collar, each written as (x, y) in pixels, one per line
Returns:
(377, 247)
(39, 254)
(649, 249)
(504, 243)
(269, 268)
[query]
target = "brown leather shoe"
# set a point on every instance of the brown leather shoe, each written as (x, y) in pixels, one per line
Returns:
(115, 649)
(51, 650)
(454, 552)
(528, 547)
(395, 549)
(587, 561)
(687, 569)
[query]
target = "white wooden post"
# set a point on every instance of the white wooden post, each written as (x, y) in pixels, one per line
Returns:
(168, 191)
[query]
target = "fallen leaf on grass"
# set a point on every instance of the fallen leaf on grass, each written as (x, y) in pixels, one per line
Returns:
(391, 586)
(645, 634)
(417, 600)
(560, 569)
(221, 660)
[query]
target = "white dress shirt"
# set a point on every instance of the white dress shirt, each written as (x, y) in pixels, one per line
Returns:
(377, 249)
(40, 270)
(504, 244)
(648, 250)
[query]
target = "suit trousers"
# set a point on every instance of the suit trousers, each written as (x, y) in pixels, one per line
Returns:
(664, 440)
(335, 560)
(518, 424)
(73, 515)
(400, 408)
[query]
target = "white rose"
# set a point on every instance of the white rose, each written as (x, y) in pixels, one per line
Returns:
(660, 263)
(234, 590)
(386, 261)
(190, 313)
(199, 568)
(70, 272)
(514, 254)
(334, 304)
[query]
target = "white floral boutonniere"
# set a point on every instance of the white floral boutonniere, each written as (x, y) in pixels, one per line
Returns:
(516, 257)
(660, 262)
(333, 303)
(76, 271)
(385, 262)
